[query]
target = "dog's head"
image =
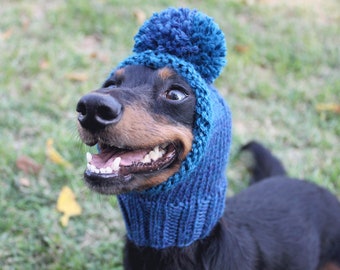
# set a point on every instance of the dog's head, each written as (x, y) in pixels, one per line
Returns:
(141, 120)
(154, 117)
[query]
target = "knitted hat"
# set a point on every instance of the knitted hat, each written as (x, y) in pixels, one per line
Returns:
(188, 205)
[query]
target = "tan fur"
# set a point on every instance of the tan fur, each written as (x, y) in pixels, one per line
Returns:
(165, 73)
(330, 266)
(138, 130)
(120, 72)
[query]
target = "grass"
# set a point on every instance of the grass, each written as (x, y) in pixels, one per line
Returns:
(283, 61)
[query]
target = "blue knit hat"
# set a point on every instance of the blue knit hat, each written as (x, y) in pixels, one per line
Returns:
(188, 205)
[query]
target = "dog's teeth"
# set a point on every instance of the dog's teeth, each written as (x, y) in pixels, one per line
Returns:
(88, 157)
(161, 149)
(146, 159)
(115, 164)
(94, 169)
(91, 168)
(108, 170)
(153, 155)
(156, 150)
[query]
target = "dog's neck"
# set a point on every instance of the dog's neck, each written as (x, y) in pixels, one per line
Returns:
(189, 210)
(177, 217)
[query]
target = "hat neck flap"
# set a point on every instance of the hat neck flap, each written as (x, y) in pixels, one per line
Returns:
(188, 205)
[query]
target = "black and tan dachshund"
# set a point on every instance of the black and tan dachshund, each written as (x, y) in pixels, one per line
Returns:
(278, 223)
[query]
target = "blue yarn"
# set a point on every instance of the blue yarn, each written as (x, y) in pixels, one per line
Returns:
(188, 205)
(187, 34)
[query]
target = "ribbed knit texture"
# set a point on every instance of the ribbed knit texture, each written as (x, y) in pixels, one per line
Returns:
(188, 205)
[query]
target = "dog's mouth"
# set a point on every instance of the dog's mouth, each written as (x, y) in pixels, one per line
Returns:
(116, 161)
(112, 168)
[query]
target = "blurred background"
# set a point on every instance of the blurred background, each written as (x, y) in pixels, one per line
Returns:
(282, 83)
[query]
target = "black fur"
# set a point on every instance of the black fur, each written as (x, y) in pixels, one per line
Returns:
(139, 83)
(276, 224)
(263, 163)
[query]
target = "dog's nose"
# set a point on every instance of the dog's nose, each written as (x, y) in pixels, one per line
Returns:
(97, 111)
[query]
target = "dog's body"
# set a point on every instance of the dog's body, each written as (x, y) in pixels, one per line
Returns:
(278, 224)
(163, 135)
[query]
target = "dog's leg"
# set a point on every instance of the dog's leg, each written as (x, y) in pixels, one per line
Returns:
(261, 163)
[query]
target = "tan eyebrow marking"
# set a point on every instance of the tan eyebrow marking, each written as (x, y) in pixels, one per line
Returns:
(120, 72)
(165, 73)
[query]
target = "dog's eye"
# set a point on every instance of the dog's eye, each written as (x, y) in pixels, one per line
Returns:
(176, 94)
(112, 83)
(112, 86)
(109, 83)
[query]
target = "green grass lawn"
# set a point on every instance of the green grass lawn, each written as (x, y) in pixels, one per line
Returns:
(283, 63)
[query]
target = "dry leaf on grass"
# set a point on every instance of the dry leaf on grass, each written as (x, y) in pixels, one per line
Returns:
(77, 76)
(28, 165)
(331, 107)
(92, 47)
(44, 64)
(25, 22)
(240, 48)
(67, 205)
(54, 156)
(25, 182)
(7, 34)
(140, 16)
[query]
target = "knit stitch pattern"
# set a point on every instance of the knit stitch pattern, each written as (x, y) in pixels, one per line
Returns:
(188, 34)
(187, 206)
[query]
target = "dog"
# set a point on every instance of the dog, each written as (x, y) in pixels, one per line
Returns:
(148, 121)
(277, 223)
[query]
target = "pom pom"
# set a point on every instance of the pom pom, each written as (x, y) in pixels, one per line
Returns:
(188, 35)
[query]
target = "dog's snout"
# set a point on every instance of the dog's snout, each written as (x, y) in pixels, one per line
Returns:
(97, 111)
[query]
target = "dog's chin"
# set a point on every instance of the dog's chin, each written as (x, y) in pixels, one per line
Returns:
(116, 185)
(116, 171)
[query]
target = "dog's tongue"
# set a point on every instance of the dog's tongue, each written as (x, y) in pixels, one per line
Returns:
(107, 157)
